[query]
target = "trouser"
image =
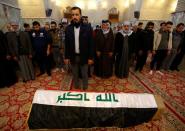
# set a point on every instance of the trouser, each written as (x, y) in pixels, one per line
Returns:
(141, 60)
(169, 59)
(76, 67)
(44, 63)
(177, 60)
(158, 59)
(58, 57)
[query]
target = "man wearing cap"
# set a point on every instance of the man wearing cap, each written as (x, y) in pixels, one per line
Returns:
(104, 42)
(78, 48)
(124, 47)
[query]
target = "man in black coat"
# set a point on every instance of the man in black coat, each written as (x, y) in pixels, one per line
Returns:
(144, 45)
(78, 47)
(180, 55)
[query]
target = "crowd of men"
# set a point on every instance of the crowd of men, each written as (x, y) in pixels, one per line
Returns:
(108, 51)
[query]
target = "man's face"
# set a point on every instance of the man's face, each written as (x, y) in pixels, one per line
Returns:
(180, 28)
(36, 27)
(46, 27)
(105, 26)
(76, 15)
(150, 27)
(85, 20)
(27, 28)
(53, 26)
(126, 27)
(140, 26)
(168, 27)
(163, 26)
(15, 27)
(9, 27)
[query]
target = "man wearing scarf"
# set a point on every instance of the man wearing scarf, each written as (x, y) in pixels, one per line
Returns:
(124, 47)
(78, 48)
(104, 41)
(7, 72)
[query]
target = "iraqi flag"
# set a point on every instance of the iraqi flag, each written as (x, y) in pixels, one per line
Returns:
(69, 109)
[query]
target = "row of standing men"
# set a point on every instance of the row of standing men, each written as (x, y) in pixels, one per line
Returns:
(39, 45)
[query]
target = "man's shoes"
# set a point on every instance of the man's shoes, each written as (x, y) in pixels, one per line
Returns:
(159, 72)
(49, 73)
(62, 70)
(40, 74)
(151, 72)
(84, 88)
(76, 87)
(56, 70)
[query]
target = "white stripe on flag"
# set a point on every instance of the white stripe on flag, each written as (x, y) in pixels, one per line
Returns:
(92, 99)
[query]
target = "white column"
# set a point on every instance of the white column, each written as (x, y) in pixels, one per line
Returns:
(138, 5)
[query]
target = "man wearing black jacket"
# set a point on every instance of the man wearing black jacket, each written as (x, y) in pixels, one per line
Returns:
(144, 45)
(78, 47)
(179, 57)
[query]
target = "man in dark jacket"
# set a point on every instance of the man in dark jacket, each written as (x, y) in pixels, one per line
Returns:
(180, 55)
(41, 46)
(78, 47)
(144, 44)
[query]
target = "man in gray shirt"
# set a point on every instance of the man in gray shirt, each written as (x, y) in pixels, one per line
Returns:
(176, 41)
(162, 47)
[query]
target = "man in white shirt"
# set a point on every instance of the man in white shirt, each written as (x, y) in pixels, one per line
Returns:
(79, 48)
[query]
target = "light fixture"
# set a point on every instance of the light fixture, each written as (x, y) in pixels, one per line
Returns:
(92, 5)
(126, 3)
(132, 1)
(58, 2)
(173, 5)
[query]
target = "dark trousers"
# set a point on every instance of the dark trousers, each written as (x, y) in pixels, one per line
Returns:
(44, 63)
(158, 59)
(8, 72)
(178, 59)
(141, 60)
(76, 67)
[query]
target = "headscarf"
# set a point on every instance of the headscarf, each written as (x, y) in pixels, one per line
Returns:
(126, 32)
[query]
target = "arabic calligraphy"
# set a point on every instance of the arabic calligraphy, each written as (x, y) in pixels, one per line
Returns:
(71, 96)
(108, 98)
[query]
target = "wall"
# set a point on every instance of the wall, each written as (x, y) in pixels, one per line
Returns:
(32, 10)
(56, 11)
(9, 11)
(180, 6)
(10, 2)
(179, 14)
(98, 9)
(157, 9)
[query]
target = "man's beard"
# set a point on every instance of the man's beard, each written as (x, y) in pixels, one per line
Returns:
(76, 23)
(53, 30)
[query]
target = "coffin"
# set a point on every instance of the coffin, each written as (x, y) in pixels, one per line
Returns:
(70, 109)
